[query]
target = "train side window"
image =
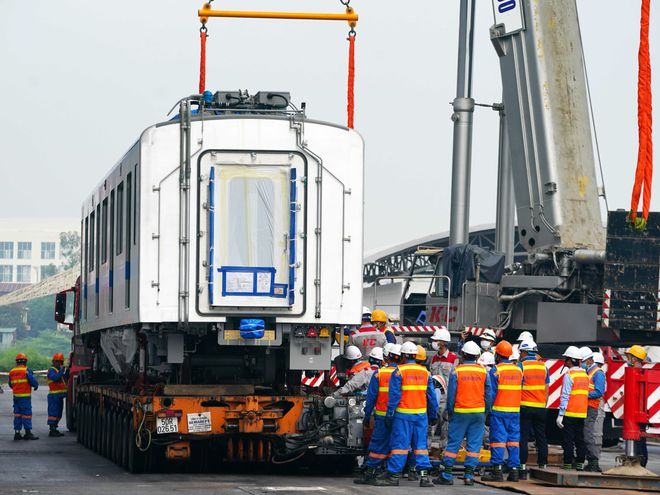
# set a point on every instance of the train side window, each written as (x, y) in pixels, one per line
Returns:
(103, 238)
(129, 216)
(135, 203)
(120, 218)
(97, 255)
(92, 223)
(85, 269)
(111, 248)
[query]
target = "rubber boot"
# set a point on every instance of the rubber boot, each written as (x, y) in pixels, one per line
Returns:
(495, 475)
(425, 480)
(29, 436)
(54, 432)
(593, 467)
(468, 477)
(390, 479)
(441, 480)
(368, 476)
(17, 435)
(523, 472)
(514, 475)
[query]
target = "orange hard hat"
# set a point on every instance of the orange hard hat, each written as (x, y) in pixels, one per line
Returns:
(504, 349)
(21, 357)
(58, 357)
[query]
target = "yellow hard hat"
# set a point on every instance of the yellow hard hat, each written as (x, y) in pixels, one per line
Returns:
(638, 351)
(378, 316)
(421, 354)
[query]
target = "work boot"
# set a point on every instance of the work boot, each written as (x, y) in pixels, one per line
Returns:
(579, 466)
(441, 480)
(17, 435)
(495, 475)
(543, 466)
(425, 480)
(468, 477)
(29, 436)
(390, 479)
(412, 475)
(514, 475)
(593, 467)
(523, 472)
(368, 476)
(54, 432)
(567, 467)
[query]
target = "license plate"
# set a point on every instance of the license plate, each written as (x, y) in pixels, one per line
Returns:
(167, 425)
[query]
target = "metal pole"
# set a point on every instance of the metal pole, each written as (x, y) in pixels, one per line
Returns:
(463, 106)
(504, 224)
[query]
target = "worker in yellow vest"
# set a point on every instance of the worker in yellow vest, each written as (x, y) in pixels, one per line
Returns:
(573, 409)
(21, 382)
(593, 425)
(57, 377)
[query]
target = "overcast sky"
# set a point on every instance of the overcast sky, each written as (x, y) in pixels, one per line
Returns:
(80, 80)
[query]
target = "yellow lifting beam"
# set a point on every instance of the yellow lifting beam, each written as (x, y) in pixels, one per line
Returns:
(350, 16)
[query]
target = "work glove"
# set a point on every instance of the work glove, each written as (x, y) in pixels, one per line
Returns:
(560, 422)
(388, 422)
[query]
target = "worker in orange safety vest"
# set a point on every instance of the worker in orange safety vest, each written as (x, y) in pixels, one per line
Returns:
(573, 409)
(21, 382)
(57, 377)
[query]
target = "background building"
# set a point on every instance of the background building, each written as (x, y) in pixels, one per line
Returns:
(30, 249)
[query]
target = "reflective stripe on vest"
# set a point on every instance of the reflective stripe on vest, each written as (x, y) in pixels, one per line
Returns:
(414, 382)
(19, 382)
(534, 386)
(384, 376)
(470, 390)
(56, 386)
(577, 401)
(362, 365)
(595, 403)
(509, 388)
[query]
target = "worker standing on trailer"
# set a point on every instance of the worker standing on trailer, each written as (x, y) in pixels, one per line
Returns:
(57, 389)
(636, 356)
(377, 397)
(536, 381)
(468, 399)
(355, 363)
(506, 380)
(593, 424)
(573, 409)
(411, 405)
(377, 334)
(21, 382)
(360, 380)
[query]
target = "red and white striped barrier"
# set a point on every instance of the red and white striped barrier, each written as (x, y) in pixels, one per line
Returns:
(478, 331)
(417, 329)
(605, 316)
(315, 381)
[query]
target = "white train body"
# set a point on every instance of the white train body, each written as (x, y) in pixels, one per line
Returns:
(275, 223)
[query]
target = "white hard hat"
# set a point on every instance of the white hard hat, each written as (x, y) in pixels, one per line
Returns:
(586, 353)
(376, 353)
(366, 311)
(388, 349)
(471, 348)
(599, 358)
(489, 334)
(441, 334)
(409, 348)
(525, 336)
(572, 352)
(515, 356)
(527, 345)
(486, 359)
(352, 353)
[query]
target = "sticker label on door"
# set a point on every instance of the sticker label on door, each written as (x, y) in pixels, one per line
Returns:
(199, 422)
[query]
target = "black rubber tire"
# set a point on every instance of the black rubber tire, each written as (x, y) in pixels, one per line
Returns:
(98, 432)
(116, 437)
(135, 462)
(78, 429)
(103, 425)
(86, 429)
(95, 428)
(123, 436)
(69, 415)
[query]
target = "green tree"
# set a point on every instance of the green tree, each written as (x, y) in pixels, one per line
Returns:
(70, 248)
(48, 271)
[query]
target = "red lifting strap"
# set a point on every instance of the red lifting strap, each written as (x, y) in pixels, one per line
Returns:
(202, 60)
(644, 173)
(351, 79)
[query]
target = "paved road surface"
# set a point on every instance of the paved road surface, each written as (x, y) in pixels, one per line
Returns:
(61, 466)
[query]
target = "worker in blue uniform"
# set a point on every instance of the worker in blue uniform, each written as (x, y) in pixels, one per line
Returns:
(57, 389)
(21, 382)
(410, 407)
(377, 397)
(469, 398)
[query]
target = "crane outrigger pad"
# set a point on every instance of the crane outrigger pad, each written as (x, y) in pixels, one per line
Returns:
(581, 479)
